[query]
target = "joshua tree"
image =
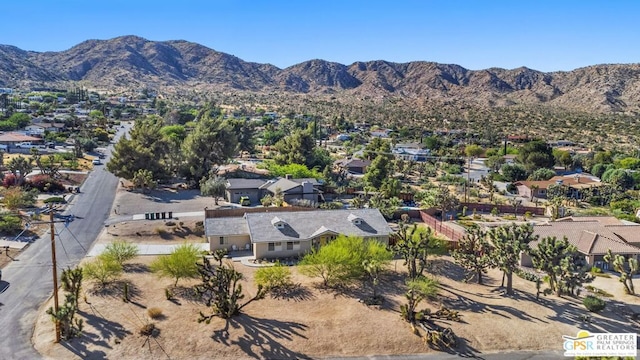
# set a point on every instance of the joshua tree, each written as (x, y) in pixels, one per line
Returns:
(473, 252)
(626, 270)
(508, 242)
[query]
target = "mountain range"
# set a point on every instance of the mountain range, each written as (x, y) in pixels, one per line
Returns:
(132, 61)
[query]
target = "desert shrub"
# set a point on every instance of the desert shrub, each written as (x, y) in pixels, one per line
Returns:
(10, 224)
(45, 183)
(9, 180)
(103, 269)
(271, 277)
(121, 251)
(527, 275)
(170, 223)
(148, 330)
(593, 303)
(155, 313)
(54, 199)
(596, 271)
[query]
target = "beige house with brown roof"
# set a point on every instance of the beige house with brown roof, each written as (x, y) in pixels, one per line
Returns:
(539, 189)
(592, 236)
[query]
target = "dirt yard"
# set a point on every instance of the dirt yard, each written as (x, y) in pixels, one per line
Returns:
(314, 322)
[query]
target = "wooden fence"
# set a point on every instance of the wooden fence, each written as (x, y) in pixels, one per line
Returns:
(440, 228)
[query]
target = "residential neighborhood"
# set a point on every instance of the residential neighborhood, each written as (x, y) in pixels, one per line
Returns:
(280, 196)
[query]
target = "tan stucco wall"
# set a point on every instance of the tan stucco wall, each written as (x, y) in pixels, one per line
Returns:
(261, 250)
(240, 241)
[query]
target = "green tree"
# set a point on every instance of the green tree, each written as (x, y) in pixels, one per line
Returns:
(103, 269)
(20, 166)
(513, 173)
(211, 143)
(474, 252)
(222, 291)
(121, 251)
(214, 185)
(273, 277)
(442, 199)
(71, 280)
(541, 174)
(556, 257)
(627, 270)
(378, 171)
(179, 264)
(536, 154)
(245, 131)
(414, 244)
(143, 179)
(342, 260)
(508, 242)
(418, 289)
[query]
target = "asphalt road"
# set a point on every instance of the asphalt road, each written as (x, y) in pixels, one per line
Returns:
(28, 282)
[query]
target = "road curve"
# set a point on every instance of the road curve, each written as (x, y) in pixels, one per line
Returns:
(27, 283)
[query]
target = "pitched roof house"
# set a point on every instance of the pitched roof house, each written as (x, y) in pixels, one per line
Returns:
(353, 165)
(592, 236)
(286, 234)
(576, 184)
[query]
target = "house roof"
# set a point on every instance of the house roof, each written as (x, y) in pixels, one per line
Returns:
(233, 184)
(225, 226)
(284, 185)
(303, 225)
(357, 163)
(17, 137)
(590, 237)
(577, 183)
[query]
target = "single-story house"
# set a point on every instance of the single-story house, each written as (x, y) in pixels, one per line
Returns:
(353, 165)
(411, 152)
(237, 188)
(295, 189)
(286, 234)
(576, 183)
(592, 236)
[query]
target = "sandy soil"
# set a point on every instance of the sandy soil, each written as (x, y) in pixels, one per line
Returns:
(315, 322)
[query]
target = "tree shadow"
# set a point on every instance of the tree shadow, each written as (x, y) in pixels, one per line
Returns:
(115, 289)
(106, 331)
(135, 268)
(186, 293)
(261, 337)
(611, 319)
(79, 349)
(456, 300)
(447, 268)
(391, 283)
(295, 292)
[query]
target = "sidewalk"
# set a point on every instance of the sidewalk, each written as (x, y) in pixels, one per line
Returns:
(115, 219)
(13, 244)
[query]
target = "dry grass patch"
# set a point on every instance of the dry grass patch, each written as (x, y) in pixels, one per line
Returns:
(315, 322)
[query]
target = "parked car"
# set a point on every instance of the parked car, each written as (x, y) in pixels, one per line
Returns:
(96, 162)
(3, 147)
(51, 145)
(25, 145)
(244, 201)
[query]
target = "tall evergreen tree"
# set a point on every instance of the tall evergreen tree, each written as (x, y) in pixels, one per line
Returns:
(211, 143)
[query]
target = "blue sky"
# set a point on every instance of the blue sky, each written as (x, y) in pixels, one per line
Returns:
(542, 35)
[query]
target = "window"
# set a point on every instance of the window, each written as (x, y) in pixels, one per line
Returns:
(223, 241)
(289, 245)
(271, 247)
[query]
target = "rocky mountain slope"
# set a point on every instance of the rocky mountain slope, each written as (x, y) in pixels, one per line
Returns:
(131, 61)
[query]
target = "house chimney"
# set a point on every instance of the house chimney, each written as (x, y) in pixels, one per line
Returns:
(288, 176)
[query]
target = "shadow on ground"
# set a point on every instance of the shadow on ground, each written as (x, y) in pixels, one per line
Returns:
(261, 338)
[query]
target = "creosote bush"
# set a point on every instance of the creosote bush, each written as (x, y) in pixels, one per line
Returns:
(593, 303)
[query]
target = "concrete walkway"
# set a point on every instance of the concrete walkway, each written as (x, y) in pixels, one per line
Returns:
(149, 249)
(13, 244)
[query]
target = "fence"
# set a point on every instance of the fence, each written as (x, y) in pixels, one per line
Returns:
(503, 209)
(440, 228)
(218, 213)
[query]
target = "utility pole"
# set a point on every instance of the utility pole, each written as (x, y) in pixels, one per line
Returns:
(55, 271)
(54, 265)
